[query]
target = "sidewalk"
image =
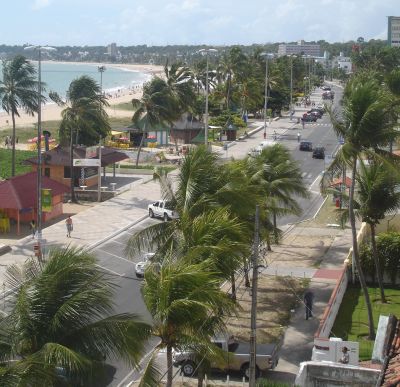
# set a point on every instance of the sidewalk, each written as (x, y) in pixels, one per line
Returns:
(93, 226)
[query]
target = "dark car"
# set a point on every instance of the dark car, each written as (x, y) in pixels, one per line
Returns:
(315, 112)
(309, 117)
(305, 146)
(318, 153)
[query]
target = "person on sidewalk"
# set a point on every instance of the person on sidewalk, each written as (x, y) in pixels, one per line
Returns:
(308, 302)
(298, 137)
(70, 227)
(345, 357)
(32, 226)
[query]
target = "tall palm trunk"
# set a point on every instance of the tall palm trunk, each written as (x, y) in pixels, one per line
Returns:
(13, 145)
(233, 285)
(140, 145)
(169, 365)
(276, 238)
(356, 256)
(377, 263)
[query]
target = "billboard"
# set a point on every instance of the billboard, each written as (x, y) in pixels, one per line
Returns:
(46, 200)
(87, 163)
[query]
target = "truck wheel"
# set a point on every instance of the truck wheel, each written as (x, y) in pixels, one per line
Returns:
(165, 217)
(188, 368)
(151, 213)
(246, 371)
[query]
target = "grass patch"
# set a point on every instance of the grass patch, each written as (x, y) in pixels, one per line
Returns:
(24, 133)
(5, 165)
(123, 106)
(328, 214)
(352, 320)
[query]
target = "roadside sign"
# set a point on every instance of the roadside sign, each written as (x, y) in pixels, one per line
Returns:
(341, 140)
(86, 163)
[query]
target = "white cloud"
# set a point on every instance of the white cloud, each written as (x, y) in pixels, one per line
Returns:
(38, 4)
(190, 4)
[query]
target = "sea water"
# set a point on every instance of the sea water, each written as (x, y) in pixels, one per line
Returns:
(58, 76)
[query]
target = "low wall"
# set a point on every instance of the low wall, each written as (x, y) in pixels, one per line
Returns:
(336, 298)
(331, 310)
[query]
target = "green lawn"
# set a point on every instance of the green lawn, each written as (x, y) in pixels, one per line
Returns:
(352, 320)
(5, 162)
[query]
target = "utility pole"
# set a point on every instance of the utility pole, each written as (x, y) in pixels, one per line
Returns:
(254, 288)
(99, 175)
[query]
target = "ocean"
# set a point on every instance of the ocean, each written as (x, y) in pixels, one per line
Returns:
(58, 76)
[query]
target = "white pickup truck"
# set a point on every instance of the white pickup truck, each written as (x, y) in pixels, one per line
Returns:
(237, 357)
(162, 209)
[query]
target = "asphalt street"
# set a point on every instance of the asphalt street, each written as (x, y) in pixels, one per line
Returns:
(111, 254)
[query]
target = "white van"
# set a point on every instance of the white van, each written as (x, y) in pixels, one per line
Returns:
(264, 144)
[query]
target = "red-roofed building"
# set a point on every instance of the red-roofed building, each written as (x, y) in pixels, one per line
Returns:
(18, 197)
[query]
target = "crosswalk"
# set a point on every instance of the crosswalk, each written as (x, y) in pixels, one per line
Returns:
(317, 124)
(306, 175)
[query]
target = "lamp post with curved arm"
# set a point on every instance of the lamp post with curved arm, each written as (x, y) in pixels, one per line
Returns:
(206, 51)
(267, 57)
(39, 49)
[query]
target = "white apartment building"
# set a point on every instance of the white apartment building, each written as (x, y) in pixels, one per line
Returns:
(299, 48)
(394, 31)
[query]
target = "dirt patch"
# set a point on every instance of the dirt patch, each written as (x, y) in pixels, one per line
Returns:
(277, 296)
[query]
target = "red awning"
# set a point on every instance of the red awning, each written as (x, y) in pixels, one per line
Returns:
(19, 192)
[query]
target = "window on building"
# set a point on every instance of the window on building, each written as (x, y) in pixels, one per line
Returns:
(67, 172)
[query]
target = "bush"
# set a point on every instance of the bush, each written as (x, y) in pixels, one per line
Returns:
(271, 383)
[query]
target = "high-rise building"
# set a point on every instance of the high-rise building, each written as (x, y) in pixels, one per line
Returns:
(394, 31)
(112, 50)
(299, 48)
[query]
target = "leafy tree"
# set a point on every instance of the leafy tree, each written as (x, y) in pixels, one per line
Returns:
(378, 193)
(60, 329)
(19, 90)
(366, 127)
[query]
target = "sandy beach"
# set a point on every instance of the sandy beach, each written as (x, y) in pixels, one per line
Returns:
(52, 112)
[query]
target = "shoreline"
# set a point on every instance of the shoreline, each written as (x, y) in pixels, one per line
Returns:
(52, 112)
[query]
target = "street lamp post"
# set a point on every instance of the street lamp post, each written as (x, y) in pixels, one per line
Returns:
(39, 49)
(267, 56)
(291, 81)
(206, 51)
(101, 70)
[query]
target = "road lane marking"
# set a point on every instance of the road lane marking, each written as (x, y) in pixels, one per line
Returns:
(111, 271)
(116, 256)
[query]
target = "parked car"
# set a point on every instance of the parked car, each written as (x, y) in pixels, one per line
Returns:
(309, 117)
(318, 153)
(141, 266)
(305, 146)
(326, 88)
(162, 209)
(237, 357)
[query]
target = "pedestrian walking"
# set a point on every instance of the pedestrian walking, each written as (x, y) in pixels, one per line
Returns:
(274, 135)
(298, 137)
(308, 302)
(70, 226)
(302, 122)
(32, 226)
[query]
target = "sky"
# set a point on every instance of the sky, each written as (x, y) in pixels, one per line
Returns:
(211, 22)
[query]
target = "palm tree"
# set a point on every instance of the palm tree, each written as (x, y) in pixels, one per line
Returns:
(156, 107)
(378, 193)
(19, 90)
(278, 178)
(181, 298)
(60, 328)
(366, 127)
(83, 117)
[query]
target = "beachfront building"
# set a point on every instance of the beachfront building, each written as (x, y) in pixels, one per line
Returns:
(299, 48)
(56, 164)
(394, 31)
(18, 200)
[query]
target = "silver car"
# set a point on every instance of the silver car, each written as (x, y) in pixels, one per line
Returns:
(141, 266)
